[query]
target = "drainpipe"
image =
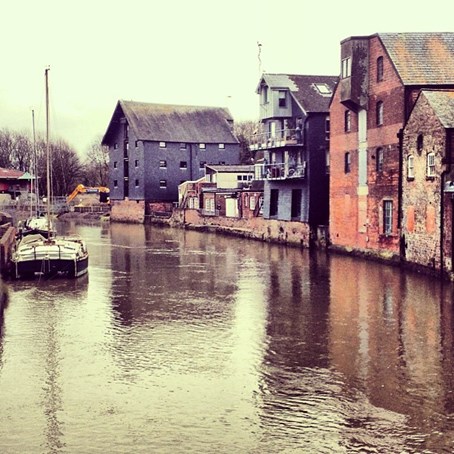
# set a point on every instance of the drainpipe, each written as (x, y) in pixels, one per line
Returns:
(448, 160)
(400, 136)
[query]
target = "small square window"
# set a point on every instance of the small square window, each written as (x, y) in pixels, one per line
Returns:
(202, 146)
(162, 164)
(163, 184)
(183, 165)
(136, 163)
(115, 165)
(137, 183)
(221, 146)
(182, 146)
(202, 164)
(162, 144)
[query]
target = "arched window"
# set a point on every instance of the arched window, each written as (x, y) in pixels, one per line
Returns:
(420, 143)
(379, 69)
(379, 161)
(347, 162)
(379, 113)
(347, 121)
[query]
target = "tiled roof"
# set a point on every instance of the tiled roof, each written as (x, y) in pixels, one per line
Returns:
(10, 174)
(304, 89)
(422, 58)
(174, 123)
(442, 102)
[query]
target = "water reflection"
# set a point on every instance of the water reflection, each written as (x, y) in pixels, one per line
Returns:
(179, 341)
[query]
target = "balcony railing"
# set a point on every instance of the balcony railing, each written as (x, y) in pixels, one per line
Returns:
(279, 138)
(279, 171)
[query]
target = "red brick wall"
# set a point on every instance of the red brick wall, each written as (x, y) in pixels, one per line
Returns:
(344, 201)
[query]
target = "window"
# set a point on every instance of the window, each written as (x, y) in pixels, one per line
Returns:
(265, 93)
(347, 121)
(221, 146)
(296, 204)
(420, 143)
(410, 167)
(202, 146)
(182, 146)
(183, 165)
(379, 108)
(115, 183)
(115, 165)
(127, 145)
(379, 69)
(137, 144)
(162, 164)
(387, 217)
(379, 160)
(346, 69)
(115, 145)
(347, 162)
(137, 183)
(327, 162)
(202, 164)
(163, 184)
(323, 89)
(282, 98)
(162, 144)
(430, 167)
(327, 128)
(136, 163)
(252, 202)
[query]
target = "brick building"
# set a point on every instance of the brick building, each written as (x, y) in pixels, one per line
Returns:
(381, 77)
(428, 182)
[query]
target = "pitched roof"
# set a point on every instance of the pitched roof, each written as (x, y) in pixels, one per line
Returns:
(174, 123)
(422, 58)
(10, 174)
(304, 89)
(442, 102)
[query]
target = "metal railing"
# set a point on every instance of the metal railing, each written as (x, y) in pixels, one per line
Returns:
(279, 171)
(279, 138)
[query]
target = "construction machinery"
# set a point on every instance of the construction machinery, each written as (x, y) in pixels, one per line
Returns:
(81, 189)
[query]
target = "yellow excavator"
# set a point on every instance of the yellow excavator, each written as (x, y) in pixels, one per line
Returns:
(81, 189)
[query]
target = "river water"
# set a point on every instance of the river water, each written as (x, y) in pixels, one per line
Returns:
(183, 342)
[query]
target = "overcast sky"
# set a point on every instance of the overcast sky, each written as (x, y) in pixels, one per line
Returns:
(193, 52)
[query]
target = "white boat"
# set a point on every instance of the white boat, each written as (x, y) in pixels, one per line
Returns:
(47, 254)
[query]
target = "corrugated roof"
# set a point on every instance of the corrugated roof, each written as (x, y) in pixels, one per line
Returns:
(422, 58)
(442, 102)
(175, 123)
(304, 89)
(231, 168)
(10, 174)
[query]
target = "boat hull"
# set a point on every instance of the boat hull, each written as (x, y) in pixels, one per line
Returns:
(35, 255)
(51, 267)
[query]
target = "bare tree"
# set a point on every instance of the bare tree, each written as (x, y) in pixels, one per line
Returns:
(7, 141)
(96, 165)
(244, 131)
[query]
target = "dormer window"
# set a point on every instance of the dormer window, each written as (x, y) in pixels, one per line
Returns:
(282, 98)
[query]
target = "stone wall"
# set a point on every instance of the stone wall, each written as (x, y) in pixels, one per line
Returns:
(287, 232)
(127, 211)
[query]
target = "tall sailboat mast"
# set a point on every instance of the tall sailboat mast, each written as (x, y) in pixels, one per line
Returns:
(47, 150)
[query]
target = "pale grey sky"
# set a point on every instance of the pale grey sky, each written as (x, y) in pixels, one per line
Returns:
(195, 52)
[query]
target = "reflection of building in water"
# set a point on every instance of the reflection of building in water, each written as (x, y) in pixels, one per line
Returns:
(386, 336)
